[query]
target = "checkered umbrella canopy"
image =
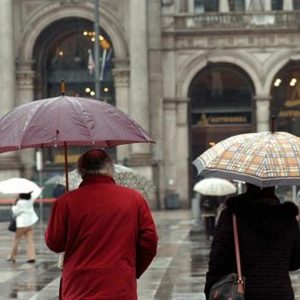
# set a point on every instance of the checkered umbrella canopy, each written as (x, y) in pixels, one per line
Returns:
(123, 175)
(263, 159)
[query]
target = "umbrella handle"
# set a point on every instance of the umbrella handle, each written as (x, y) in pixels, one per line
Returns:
(62, 88)
(273, 124)
(66, 166)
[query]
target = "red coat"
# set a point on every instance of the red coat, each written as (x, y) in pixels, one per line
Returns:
(109, 239)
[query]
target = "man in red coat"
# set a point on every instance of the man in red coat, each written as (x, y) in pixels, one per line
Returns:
(106, 231)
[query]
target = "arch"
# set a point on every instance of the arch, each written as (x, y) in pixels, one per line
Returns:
(193, 65)
(278, 61)
(38, 21)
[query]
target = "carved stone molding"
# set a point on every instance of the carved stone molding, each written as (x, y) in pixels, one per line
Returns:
(25, 73)
(140, 159)
(224, 41)
(169, 104)
(121, 76)
(262, 98)
(25, 78)
(11, 161)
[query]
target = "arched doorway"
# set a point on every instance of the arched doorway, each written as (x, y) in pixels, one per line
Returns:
(65, 51)
(221, 105)
(285, 103)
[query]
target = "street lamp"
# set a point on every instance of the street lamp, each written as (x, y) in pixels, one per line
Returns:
(96, 50)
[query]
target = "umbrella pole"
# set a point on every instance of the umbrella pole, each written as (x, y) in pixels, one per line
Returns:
(66, 166)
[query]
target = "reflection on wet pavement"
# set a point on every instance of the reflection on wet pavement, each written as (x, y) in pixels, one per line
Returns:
(178, 271)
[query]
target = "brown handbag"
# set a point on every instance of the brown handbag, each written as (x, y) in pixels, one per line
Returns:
(230, 286)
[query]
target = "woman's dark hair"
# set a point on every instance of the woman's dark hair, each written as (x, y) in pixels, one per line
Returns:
(26, 196)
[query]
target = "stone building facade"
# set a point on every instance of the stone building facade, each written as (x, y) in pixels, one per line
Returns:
(191, 72)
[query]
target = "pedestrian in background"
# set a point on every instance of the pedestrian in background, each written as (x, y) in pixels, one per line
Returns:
(269, 240)
(208, 208)
(106, 231)
(58, 190)
(26, 217)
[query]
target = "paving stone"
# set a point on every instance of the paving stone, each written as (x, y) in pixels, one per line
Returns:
(177, 272)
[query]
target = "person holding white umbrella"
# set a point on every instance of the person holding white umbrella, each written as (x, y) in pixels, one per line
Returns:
(24, 213)
(212, 192)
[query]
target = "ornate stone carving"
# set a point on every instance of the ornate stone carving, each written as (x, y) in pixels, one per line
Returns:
(121, 76)
(25, 79)
(25, 75)
(229, 41)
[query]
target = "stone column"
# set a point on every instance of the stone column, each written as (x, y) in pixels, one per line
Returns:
(155, 96)
(139, 90)
(191, 6)
(25, 77)
(182, 152)
(176, 149)
(9, 162)
(288, 5)
(263, 112)
(223, 6)
(247, 5)
(268, 5)
(121, 80)
(25, 94)
(170, 146)
(7, 57)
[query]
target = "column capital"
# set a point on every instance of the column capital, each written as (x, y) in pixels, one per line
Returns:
(25, 73)
(25, 79)
(169, 104)
(121, 76)
(10, 161)
(172, 103)
(140, 159)
(260, 98)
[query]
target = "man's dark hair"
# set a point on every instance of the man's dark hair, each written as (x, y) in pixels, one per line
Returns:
(95, 162)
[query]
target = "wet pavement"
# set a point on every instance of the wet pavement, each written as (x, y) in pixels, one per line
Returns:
(178, 271)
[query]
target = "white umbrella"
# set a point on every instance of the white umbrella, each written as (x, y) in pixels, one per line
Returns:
(215, 187)
(19, 186)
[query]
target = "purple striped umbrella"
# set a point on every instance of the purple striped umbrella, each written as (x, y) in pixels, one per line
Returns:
(64, 121)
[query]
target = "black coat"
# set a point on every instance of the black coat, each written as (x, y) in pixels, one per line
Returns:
(269, 246)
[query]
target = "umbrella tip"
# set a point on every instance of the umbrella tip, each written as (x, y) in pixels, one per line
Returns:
(62, 87)
(273, 124)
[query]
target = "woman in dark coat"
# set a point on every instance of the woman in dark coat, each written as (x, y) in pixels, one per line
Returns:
(269, 244)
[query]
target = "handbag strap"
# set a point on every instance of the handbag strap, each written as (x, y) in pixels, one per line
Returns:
(237, 249)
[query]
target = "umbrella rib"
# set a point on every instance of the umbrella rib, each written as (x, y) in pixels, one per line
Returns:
(26, 127)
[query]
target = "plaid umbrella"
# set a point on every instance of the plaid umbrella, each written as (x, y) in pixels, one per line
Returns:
(263, 159)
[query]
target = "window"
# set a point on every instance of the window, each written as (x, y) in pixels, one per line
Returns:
(221, 105)
(206, 6)
(221, 94)
(277, 5)
(296, 4)
(285, 105)
(236, 5)
(65, 50)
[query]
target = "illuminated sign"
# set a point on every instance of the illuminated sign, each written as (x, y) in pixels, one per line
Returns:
(230, 118)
